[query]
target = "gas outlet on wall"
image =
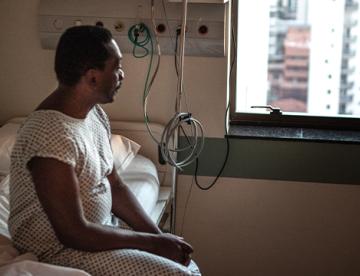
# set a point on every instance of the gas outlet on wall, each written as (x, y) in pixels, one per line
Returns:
(119, 26)
(58, 24)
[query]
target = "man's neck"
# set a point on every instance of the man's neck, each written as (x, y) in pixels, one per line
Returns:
(68, 100)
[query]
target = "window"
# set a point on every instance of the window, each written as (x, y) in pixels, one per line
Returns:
(301, 56)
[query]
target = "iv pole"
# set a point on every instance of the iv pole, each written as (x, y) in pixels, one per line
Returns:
(181, 61)
(178, 103)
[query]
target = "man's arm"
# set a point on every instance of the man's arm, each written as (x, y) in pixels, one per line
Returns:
(57, 187)
(127, 207)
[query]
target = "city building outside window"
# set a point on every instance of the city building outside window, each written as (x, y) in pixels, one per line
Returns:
(299, 56)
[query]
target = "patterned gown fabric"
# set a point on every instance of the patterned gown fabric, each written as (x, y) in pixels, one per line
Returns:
(83, 144)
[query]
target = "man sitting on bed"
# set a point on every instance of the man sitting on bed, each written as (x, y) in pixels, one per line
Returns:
(64, 187)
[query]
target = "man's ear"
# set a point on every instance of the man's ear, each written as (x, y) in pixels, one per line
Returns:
(92, 77)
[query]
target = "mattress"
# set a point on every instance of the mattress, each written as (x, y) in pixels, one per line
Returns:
(142, 179)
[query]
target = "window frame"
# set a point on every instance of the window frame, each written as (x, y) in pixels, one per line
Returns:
(284, 119)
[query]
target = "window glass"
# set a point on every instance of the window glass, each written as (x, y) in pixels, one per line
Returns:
(302, 56)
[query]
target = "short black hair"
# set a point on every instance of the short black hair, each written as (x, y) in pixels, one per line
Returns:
(81, 48)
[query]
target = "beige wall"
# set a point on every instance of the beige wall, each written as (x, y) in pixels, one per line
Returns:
(241, 227)
(27, 76)
(262, 227)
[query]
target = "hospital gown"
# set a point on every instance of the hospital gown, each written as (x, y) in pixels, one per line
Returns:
(83, 144)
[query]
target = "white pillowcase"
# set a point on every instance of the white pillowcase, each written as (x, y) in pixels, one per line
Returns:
(124, 151)
(7, 140)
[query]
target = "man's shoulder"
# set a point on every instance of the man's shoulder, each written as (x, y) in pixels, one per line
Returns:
(45, 122)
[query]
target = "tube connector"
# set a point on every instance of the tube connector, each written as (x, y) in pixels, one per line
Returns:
(186, 118)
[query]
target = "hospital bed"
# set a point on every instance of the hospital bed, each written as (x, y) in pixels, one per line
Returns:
(136, 158)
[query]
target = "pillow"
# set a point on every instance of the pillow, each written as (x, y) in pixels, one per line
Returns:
(124, 151)
(7, 141)
(4, 207)
(4, 185)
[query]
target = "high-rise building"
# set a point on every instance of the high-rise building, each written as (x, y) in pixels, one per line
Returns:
(288, 56)
(313, 56)
(311, 59)
(350, 67)
(326, 18)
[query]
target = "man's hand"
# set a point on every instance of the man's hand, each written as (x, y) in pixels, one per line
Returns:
(173, 248)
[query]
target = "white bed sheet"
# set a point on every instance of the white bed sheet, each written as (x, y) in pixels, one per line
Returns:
(142, 179)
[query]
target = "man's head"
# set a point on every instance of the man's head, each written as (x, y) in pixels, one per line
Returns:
(81, 48)
(91, 52)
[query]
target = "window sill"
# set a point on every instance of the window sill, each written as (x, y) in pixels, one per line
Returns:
(294, 133)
